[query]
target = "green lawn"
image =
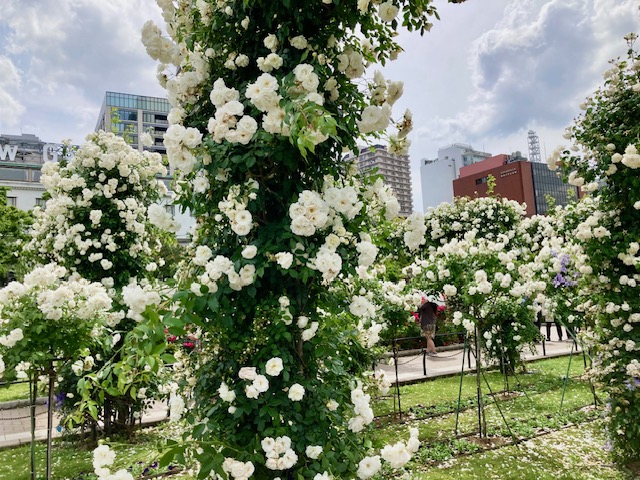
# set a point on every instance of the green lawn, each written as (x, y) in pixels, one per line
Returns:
(16, 391)
(531, 435)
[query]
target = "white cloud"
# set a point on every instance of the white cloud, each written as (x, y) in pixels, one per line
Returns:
(486, 73)
(71, 53)
(537, 64)
(10, 107)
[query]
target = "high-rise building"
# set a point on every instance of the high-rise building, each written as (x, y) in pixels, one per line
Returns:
(516, 179)
(130, 115)
(437, 176)
(394, 168)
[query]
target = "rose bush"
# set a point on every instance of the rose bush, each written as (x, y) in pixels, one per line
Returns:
(603, 160)
(472, 254)
(265, 99)
(97, 223)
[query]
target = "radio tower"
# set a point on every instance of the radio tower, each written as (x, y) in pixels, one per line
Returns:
(534, 147)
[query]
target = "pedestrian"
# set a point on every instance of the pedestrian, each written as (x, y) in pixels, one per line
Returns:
(428, 313)
(558, 330)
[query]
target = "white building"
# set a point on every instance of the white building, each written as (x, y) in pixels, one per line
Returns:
(437, 176)
(21, 159)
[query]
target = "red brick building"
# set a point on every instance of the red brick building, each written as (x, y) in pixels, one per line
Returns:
(516, 179)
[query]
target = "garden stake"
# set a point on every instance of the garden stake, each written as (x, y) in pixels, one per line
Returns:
(395, 364)
(497, 404)
(52, 379)
(505, 373)
(33, 391)
(566, 377)
(464, 348)
(482, 421)
(589, 363)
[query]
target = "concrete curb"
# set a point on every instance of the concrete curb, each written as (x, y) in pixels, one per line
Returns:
(21, 403)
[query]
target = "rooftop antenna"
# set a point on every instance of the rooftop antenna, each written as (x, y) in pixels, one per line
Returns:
(534, 147)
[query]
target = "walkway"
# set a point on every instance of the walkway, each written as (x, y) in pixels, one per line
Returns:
(412, 365)
(15, 421)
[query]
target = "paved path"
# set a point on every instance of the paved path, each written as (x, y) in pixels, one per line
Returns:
(15, 422)
(411, 368)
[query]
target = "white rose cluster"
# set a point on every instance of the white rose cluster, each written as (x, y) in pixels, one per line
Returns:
(229, 122)
(279, 454)
(259, 383)
(631, 158)
(137, 298)
(215, 268)
(13, 337)
(102, 192)
(162, 219)
(415, 230)
(400, 453)
(237, 469)
(320, 211)
(180, 143)
(234, 206)
(103, 458)
(51, 298)
(159, 47)
(363, 412)
(309, 214)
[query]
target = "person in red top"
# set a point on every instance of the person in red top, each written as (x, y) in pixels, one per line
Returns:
(428, 312)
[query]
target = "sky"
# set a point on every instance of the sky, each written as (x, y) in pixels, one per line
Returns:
(489, 70)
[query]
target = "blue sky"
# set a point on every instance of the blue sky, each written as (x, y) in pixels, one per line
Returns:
(488, 72)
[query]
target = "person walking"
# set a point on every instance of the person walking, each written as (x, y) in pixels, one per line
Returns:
(428, 316)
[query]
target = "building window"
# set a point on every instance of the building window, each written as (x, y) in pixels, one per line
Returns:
(128, 115)
(171, 209)
(13, 174)
(12, 201)
(480, 181)
(41, 202)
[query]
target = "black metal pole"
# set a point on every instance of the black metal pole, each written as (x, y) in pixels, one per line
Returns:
(464, 348)
(33, 392)
(52, 379)
(479, 386)
(395, 363)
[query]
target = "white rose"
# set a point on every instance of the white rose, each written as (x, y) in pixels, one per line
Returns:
(274, 366)
(313, 451)
(247, 373)
(284, 259)
(249, 252)
(296, 392)
(387, 11)
(298, 42)
(450, 290)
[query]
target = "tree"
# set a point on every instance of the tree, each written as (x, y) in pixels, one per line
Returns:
(14, 233)
(97, 224)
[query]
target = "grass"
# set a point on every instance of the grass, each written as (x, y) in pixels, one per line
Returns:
(73, 460)
(431, 406)
(14, 391)
(574, 453)
(530, 436)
